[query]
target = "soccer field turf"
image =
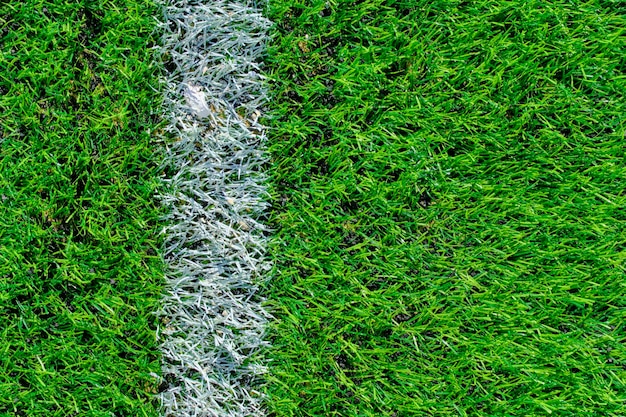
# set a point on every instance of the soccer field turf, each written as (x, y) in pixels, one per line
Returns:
(80, 276)
(448, 185)
(447, 208)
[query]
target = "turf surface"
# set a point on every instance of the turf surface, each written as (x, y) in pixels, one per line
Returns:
(79, 274)
(448, 188)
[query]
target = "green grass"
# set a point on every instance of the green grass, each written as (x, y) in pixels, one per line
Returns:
(79, 274)
(448, 188)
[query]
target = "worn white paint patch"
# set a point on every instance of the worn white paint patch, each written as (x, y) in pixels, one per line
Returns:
(212, 319)
(196, 100)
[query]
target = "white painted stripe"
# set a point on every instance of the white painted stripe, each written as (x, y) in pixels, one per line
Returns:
(213, 321)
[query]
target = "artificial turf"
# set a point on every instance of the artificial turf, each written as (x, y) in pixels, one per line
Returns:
(448, 202)
(80, 277)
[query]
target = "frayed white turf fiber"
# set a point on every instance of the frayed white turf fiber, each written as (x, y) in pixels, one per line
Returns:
(213, 320)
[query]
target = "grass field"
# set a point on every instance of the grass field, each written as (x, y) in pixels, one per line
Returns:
(80, 276)
(448, 187)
